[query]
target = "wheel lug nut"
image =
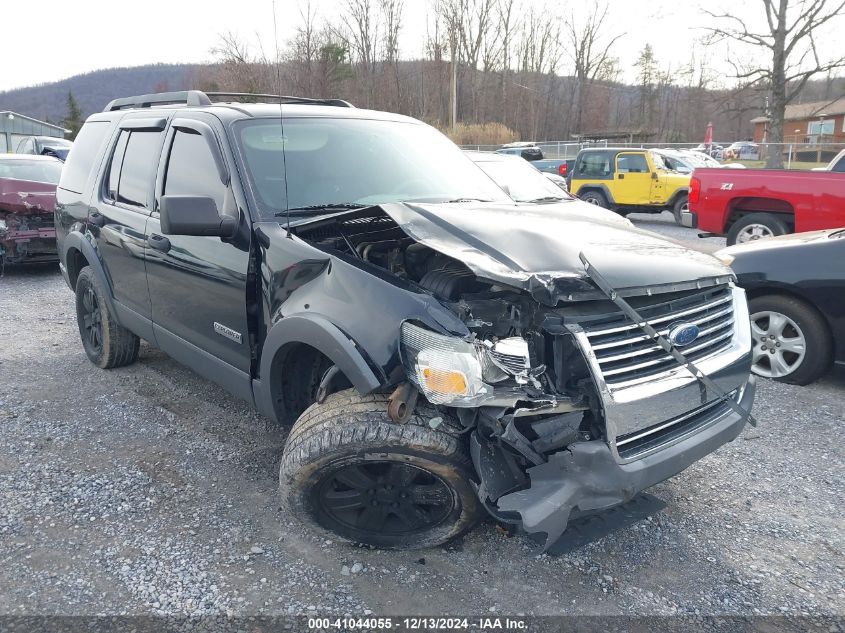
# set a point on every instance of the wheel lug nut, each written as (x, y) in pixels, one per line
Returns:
(403, 495)
(772, 351)
(777, 344)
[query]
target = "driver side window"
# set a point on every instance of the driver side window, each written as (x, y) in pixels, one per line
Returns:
(191, 170)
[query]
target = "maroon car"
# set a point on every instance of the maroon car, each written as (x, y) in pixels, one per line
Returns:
(27, 200)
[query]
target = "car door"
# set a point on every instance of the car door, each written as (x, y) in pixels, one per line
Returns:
(120, 209)
(632, 179)
(198, 284)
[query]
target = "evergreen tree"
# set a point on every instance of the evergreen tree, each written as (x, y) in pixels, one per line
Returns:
(73, 120)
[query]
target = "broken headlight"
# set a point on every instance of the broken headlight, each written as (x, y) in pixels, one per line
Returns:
(450, 370)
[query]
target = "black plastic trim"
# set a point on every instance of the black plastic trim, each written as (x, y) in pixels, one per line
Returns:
(236, 382)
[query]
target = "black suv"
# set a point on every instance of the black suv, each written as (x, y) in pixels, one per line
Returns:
(441, 350)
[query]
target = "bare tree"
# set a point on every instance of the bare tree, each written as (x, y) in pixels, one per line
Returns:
(790, 43)
(391, 12)
(360, 31)
(590, 46)
(239, 68)
(303, 52)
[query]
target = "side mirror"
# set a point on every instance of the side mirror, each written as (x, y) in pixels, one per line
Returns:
(194, 215)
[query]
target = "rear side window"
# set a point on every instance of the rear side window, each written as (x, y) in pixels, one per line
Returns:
(594, 165)
(631, 163)
(133, 167)
(839, 166)
(82, 155)
(191, 169)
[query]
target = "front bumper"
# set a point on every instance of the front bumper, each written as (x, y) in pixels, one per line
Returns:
(587, 476)
(655, 426)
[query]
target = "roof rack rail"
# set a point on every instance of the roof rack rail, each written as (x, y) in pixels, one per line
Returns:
(199, 98)
(285, 98)
(188, 97)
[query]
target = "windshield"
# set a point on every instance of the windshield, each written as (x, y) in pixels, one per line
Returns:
(675, 164)
(34, 170)
(355, 161)
(658, 161)
(522, 181)
(49, 141)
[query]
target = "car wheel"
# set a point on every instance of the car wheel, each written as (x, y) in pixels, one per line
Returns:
(791, 341)
(595, 197)
(349, 469)
(756, 226)
(106, 343)
(681, 205)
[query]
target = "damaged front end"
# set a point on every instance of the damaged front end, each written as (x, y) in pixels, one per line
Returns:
(568, 404)
(27, 229)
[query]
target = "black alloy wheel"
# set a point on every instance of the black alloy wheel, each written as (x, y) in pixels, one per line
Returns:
(387, 497)
(91, 321)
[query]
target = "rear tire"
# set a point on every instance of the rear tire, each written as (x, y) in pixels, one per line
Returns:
(790, 340)
(755, 226)
(595, 197)
(681, 205)
(106, 343)
(347, 468)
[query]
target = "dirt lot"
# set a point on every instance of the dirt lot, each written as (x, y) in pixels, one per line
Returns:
(150, 490)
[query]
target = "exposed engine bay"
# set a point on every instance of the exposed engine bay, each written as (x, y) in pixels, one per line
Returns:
(531, 379)
(538, 405)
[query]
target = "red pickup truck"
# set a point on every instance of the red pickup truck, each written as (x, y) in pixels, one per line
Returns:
(747, 204)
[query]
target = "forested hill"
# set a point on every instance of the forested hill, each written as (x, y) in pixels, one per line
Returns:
(92, 91)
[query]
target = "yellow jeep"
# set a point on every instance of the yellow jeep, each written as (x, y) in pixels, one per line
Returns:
(628, 180)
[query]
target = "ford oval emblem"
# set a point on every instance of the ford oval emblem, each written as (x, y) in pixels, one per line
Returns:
(683, 334)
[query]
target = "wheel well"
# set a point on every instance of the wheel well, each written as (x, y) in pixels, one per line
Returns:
(593, 189)
(754, 293)
(678, 194)
(740, 207)
(75, 262)
(297, 372)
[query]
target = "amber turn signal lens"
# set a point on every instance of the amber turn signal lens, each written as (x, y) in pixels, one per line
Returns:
(444, 381)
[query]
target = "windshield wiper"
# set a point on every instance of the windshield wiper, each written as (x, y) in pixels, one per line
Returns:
(547, 199)
(467, 200)
(310, 209)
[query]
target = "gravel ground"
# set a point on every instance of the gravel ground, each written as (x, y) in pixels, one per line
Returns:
(148, 490)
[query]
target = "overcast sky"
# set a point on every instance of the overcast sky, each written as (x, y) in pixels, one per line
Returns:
(47, 40)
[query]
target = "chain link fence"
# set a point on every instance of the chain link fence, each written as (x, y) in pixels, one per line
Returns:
(796, 155)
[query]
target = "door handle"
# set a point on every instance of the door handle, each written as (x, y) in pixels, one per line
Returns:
(621, 176)
(159, 242)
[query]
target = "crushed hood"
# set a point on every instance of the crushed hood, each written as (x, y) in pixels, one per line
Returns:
(26, 197)
(537, 247)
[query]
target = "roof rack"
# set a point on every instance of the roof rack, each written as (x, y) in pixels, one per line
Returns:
(250, 96)
(198, 98)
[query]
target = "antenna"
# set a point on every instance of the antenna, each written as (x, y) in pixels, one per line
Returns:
(281, 121)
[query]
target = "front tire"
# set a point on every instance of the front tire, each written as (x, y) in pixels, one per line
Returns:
(791, 341)
(347, 468)
(755, 226)
(595, 197)
(107, 344)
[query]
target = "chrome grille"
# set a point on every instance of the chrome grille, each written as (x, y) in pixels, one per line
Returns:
(627, 356)
(635, 444)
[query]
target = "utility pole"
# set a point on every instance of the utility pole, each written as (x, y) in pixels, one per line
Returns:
(453, 85)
